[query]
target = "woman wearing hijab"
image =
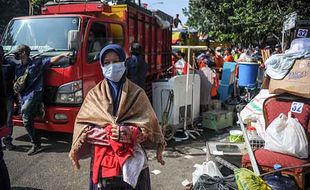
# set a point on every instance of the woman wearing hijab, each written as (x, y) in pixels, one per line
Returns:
(115, 118)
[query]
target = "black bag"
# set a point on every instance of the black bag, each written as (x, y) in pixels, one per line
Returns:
(206, 182)
(21, 82)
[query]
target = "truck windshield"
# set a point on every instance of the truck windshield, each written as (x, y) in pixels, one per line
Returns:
(40, 34)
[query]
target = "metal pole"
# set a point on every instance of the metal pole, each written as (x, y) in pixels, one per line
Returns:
(248, 146)
(186, 91)
(283, 35)
(186, 131)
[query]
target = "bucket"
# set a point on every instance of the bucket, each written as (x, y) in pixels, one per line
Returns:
(247, 74)
(236, 136)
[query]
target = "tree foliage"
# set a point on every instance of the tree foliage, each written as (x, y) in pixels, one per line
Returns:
(242, 21)
(37, 4)
(15, 8)
(10, 9)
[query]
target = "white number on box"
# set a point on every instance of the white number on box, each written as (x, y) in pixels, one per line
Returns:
(302, 33)
(297, 107)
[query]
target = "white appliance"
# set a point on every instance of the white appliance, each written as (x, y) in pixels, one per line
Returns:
(173, 91)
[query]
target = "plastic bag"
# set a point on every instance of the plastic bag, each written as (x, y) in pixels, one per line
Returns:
(206, 182)
(209, 168)
(286, 135)
(247, 180)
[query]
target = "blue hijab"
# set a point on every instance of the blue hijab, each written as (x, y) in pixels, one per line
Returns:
(115, 87)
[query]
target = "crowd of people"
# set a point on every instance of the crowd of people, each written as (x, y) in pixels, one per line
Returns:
(215, 58)
(209, 65)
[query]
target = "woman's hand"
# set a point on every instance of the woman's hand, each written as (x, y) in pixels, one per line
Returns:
(127, 134)
(122, 134)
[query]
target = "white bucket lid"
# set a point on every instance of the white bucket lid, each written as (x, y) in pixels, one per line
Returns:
(249, 63)
(235, 132)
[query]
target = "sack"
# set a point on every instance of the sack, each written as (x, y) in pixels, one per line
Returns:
(21, 82)
(286, 135)
(247, 180)
(295, 82)
(206, 168)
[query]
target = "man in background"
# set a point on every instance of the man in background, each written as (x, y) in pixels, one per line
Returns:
(93, 44)
(236, 53)
(32, 94)
(177, 21)
(219, 61)
(228, 55)
(277, 49)
(136, 66)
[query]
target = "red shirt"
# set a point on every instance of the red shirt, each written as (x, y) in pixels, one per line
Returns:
(219, 61)
(110, 159)
(229, 58)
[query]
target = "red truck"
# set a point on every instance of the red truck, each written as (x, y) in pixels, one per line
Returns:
(66, 26)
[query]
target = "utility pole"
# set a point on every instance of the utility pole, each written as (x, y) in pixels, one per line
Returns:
(30, 10)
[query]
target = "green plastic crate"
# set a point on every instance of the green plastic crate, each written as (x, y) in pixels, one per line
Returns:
(217, 120)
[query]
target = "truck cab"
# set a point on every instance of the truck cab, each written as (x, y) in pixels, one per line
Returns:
(83, 29)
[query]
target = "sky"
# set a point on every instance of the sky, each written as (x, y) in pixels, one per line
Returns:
(171, 7)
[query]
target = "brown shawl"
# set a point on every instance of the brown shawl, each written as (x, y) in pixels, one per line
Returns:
(97, 109)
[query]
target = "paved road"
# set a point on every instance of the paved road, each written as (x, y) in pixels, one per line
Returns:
(52, 169)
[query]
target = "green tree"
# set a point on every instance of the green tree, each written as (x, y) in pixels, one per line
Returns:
(14, 8)
(244, 21)
(10, 9)
(37, 4)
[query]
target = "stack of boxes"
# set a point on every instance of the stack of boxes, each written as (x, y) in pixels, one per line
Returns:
(218, 117)
(226, 87)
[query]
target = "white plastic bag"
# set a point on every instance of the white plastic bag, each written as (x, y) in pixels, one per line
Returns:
(286, 135)
(209, 168)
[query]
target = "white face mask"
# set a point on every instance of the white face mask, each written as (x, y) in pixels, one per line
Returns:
(114, 71)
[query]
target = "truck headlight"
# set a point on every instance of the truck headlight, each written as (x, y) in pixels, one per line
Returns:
(70, 93)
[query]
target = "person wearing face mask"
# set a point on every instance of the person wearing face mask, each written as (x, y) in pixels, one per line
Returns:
(116, 118)
(32, 94)
(219, 61)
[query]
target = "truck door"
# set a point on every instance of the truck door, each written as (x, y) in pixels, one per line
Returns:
(98, 34)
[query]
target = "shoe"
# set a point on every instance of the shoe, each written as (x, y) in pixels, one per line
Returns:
(9, 146)
(34, 150)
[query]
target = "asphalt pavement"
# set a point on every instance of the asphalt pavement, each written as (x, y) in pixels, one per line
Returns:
(52, 169)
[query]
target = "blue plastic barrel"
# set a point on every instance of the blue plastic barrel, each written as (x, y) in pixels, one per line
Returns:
(247, 74)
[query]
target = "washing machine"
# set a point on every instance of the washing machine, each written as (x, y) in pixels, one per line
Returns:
(169, 97)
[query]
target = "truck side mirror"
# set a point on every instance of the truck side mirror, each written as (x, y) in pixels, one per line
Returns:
(74, 39)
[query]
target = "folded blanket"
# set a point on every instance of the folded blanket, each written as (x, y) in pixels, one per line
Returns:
(278, 65)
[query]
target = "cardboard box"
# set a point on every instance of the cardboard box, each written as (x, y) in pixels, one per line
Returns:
(296, 82)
